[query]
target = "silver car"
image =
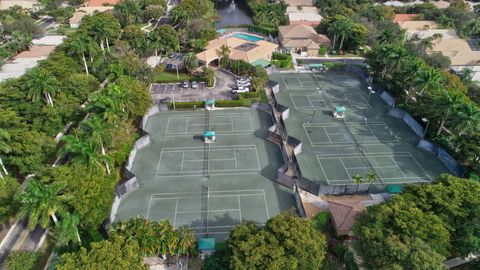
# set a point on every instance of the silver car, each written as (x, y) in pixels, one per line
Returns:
(194, 85)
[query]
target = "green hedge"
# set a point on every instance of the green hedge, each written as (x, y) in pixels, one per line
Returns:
(279, 56)
(234, 103)
(186, 105)
(321, 220)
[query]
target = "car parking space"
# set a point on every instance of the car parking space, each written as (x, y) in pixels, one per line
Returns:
(167, 92)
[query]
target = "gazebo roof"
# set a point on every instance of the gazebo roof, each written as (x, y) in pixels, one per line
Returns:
(209, 134)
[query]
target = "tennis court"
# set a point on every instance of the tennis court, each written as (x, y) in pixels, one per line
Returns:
(188, 124)
(366, 141)
(208, 187)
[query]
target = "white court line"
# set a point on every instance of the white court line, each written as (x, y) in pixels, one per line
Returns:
(218, 132)
(266, 205)
(166, 129)
(387, 178)
(159, 161)
(389, 154)
(213, 159)
(251, 122)
(239, 208)
(309, 101)
(421, 167)
(213, 147)
(404, 176)
(323, 170)
(181, 165)
(327, 134)
(186, 126)
(212, 174)
(308, 136)
(258, 159)
(301, 84)
(235, 155)
(208, 211)
(175, 216)
(346, 123)
(211, 124)
(213, 191)
(343, 164)
(149, 205)
(218, 170)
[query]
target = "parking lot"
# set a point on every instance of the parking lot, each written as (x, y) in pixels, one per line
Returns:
(176, 92)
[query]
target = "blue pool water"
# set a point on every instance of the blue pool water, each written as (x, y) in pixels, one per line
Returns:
(247, 37)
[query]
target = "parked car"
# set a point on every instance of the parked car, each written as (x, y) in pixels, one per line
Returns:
(194, 85)
(165, 100)
(172, 55)
(243, 84)
(186, 84)
(241, 90)
(169, 67)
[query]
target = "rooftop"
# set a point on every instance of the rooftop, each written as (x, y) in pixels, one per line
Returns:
(49, 40)
(418, 25)
(36, 51)
(245, 47)
(293, 3)
(404, 17)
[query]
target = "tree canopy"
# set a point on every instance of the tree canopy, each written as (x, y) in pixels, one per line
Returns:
(421, 227)
(286, 242)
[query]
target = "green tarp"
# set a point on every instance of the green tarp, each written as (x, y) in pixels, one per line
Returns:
(210, 102)
(394, 189)
(206, 244)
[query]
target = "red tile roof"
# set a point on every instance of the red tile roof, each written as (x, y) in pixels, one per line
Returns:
(405, 17)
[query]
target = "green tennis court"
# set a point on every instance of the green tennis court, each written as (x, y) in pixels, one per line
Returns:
(208, 187)
(366, 141)
(222, 123)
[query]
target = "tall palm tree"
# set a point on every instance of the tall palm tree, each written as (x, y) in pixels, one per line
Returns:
(103, 28)
(445, 105)
(100, 134)
(466, 118)
(190, 61)
(40, 202)
(335, 29)
(41, 82)
(4, 149)
(82, 151)
(78, 47)
(66, 230)
(345, 31)
(426, 79)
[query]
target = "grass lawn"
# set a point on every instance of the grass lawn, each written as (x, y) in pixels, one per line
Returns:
(171, 77)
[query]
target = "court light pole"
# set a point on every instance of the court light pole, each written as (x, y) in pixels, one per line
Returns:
(425, 120)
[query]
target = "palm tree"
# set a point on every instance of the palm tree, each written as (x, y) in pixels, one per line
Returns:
(345, 31)
(372, 177)
(20, 41)
(335, 29)
(426, 79)
(467, 118)
(66, 230)
(357, 179)
(224, 54)
(103, 28)
(41, 82)
(190, 61)
(40, 202)
(78, 47)
(99, 135)
(446, 105)
(427, 43)
(82, 151)
(4, 149)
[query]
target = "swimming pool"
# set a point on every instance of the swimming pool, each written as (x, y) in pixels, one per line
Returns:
(247, 37)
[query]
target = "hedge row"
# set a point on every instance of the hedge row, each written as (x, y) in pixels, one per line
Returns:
(218, 103)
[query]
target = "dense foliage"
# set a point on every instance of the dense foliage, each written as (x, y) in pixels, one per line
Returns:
(156, 238)
(22, 260)
(115, 253)
(418, 229)
(286, 242)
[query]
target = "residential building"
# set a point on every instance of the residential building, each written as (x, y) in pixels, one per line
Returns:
(244, 47)
(26, 4)
(81, 12)
(303, 15)
(301, 39)
(25, 61)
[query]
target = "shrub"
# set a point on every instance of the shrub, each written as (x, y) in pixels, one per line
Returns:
(339, 250)
(186, 105)
(209, 75)
(234, 103)
(350, 261)
(21, 260)
(321, 220)
(323, 50)
(279, 56)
